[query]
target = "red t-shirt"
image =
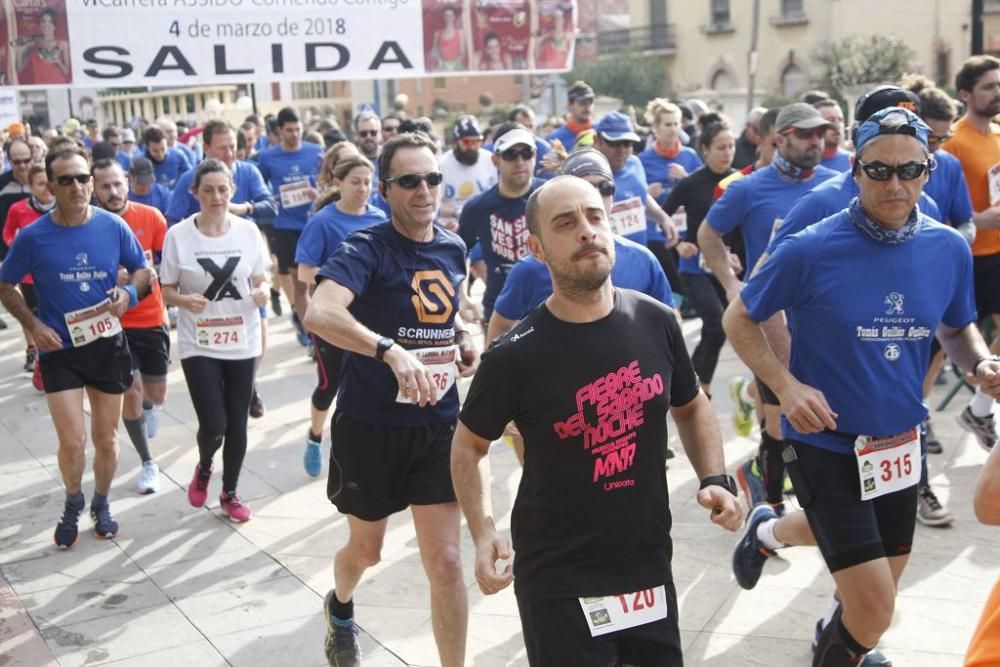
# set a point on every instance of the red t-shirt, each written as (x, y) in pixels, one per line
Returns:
(149, 227)
(19, 215)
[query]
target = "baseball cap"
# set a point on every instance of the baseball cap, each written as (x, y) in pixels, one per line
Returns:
(580, 90)
(141, 171)
(71, 126)
(893, 120)
(587, 162)
(467, 127)
(128, 136)
(514, 138)
(882, 97)
(616, 126)
(799, 115)
(91, 122)
(16, 128)
(102, 150)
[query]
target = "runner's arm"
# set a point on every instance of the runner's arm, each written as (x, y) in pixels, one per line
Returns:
(966, 347)
(16, 306)
(307, 274)
(717, 257)
(987, 498)
(664, 221)
(498, 326)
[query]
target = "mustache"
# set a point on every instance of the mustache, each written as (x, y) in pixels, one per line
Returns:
(589, 248)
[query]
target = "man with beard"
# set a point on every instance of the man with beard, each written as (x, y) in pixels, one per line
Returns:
(976, 144)
(579, 115)
(145, 325)
(591, 360)
(834, 155)
(168, 163)
(468, 170)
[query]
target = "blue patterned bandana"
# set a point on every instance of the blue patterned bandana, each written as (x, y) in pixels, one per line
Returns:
(790, 172)
(873, 230)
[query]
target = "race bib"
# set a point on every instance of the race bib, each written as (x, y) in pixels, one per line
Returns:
(628, 217)
(441, 362)
(680, 218)
(295, 194)
(612, 613)
(88, 324)
(994, 177)
(221, 333)
(886, 465)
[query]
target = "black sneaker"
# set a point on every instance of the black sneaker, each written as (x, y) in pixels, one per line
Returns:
(933, 444)
(341, 645)
(29, 359)
(256, 405)
(984, 428)
(276, 302)
(874, 658)
(104, 525)
(66, 530)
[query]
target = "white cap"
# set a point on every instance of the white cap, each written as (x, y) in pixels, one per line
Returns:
(513, 138)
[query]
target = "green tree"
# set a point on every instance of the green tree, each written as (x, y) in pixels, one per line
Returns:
(859, 60)
(627, 75)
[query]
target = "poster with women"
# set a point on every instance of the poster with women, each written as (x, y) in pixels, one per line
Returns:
(38, 42)
(554, 37)
(446, 47)
(501, 35)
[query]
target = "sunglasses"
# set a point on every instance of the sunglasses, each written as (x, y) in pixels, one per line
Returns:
(368, 133)
(67, 179)
(879, 171)
(935, 139)
(624, 143)
(413, 181)
(806, 134)
(512, 154)
(470, 143)
(606, 188)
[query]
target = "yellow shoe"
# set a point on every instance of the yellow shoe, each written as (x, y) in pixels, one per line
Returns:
(742, 411)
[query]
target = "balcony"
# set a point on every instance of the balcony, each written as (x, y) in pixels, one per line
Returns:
(650, 40)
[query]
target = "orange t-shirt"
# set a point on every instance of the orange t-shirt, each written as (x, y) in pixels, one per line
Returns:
(984, 649)
(978, 153)
(149, 227)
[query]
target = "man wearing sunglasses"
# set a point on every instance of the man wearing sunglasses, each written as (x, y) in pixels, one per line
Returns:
(863, 308)
(495, 219)
(468, 170)
(976, 144)
(389, 297)
(367, 135)
(74, 254)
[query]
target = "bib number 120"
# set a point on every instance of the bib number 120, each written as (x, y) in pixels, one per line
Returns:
(640, 600)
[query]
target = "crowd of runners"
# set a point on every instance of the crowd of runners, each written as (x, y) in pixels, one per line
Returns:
(850, 267)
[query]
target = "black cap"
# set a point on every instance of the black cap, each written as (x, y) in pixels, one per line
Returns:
(883, 97)
(102, 150)
(467, 127)
(141, 171)
(580, 90)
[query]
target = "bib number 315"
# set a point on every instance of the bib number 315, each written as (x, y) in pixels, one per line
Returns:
(888, 464)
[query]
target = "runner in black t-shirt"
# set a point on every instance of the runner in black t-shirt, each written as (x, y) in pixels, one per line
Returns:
(589, 392)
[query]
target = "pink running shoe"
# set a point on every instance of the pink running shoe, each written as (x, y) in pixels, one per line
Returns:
(198, 488)
(238, 512)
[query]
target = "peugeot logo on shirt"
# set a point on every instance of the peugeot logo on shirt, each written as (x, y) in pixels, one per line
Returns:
(895, 302)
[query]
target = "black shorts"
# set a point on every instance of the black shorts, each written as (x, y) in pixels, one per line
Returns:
(105, 365)
(556, 633)
(378, 470)
(150, 348)
(268, 232)
(767, 397)
(30, 298)
(849, 531)
(986, 278)
(283, 247)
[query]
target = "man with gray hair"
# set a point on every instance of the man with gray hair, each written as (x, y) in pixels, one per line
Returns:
(749, 139)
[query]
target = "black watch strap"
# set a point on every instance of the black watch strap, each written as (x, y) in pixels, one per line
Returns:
(382, 347)
(725, 481)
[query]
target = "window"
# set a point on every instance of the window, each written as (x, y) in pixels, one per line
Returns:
(723, 80)
(439, 83)
(942, 67)
(310, 90)
(720, 12)
(793, 81)
(792, 7)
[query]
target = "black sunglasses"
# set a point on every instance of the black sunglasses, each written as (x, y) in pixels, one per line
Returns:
(67, 179)
(606, 188)
(806, 134)
(413, 181)
(879, 171)
(512, 154)
(623, 143)
(935, 139)
(368, 133)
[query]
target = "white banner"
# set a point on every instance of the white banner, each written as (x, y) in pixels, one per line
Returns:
(115, 43)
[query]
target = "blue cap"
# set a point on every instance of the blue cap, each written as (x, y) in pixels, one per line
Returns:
(616, 126)
(892, 120)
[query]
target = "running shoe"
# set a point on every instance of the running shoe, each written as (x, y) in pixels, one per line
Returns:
(984, 428)
(341, 645)
(743, 414)
(67, 531)
(3, 325)
(237, 511)
(172, 316)
(149, 478)
(930, 511)
(198, 488)
(752, 482)
(313, 459)
(152, 421)
(875, 657)
(30, 355)
(311, 351)
(104, 525)
(300, 332)
(750, 555)
(256, 405)
(933, 444)
(276, 302)
(36, 377)
(787, 487)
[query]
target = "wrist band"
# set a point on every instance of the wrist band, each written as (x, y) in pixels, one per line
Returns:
(133, 295)
(980, 360)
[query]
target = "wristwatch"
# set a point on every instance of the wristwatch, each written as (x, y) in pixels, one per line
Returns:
(382, 347)
(725, 481)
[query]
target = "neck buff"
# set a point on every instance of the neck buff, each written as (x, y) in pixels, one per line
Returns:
(40, 207)
(667, 152)
(789, 171)
(575, 127)
(873, 230)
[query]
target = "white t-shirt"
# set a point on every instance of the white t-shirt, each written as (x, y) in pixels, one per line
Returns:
(462, 182)
(220, 268)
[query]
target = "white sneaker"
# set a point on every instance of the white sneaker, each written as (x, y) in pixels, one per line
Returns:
(149, 479)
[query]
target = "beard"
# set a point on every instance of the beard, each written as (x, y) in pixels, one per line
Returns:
(468, 158)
